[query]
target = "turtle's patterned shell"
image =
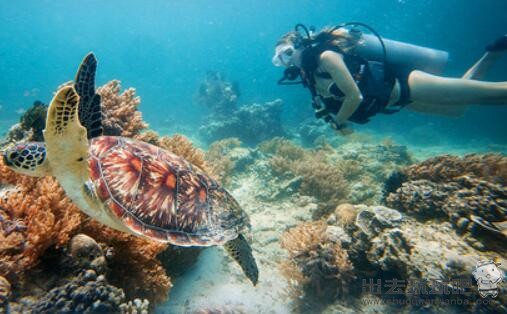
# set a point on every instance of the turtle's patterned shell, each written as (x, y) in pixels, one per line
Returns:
(160, 195)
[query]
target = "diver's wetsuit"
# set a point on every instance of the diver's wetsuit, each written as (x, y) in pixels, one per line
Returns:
(375, 80)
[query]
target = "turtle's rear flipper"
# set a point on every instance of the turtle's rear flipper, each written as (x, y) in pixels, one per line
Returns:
(502, 227)
(241, 252)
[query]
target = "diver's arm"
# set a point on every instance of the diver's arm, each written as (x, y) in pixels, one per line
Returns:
(333, 63)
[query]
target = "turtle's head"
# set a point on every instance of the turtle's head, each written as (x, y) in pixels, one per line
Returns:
(28, 159)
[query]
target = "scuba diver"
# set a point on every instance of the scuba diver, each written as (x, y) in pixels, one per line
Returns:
(352, 75)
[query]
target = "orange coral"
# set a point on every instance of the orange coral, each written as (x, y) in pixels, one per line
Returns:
(47, 218)
(121, 116)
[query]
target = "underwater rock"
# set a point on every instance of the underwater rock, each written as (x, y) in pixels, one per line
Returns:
(84, 250)
(218, 95)
(251, 124)
(338, 234)
(137, 306)
(310, 130)
(30, 127)
(423, 197)
(87, 293)
(16, 135)
(373, 219)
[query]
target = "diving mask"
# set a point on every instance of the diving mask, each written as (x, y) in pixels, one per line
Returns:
(283, 55)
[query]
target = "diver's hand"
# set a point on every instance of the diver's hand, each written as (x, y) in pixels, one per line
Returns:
(341, 128)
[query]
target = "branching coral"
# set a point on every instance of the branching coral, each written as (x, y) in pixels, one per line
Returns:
(321, 266)
(42, 217)
(321, 177)
(121, 116)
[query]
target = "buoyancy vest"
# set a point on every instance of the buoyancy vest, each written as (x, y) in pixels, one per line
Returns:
(374, 79)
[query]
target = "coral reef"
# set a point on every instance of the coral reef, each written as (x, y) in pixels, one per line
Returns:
(88, 291)
(30, 126)
(121, 116)
(252, 124)
(35, 119)
(490, 167)
(219, 95)
(219, 155)
(322, 267)
(311, 130)
(319, 176)
(383, 244)
(36, 216)
(471, 192)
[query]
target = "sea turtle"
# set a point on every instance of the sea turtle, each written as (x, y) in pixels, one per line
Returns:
(130, 185)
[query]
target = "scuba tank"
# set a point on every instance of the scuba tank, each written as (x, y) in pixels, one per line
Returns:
(402, 56)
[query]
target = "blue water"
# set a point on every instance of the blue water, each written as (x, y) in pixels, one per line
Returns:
(164, 48)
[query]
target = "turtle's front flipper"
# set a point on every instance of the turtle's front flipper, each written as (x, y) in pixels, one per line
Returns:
(90, 111)
(240, 250)
(65, 137)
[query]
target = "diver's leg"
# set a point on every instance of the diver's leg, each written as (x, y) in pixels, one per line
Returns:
(431, 89)
(437, 110)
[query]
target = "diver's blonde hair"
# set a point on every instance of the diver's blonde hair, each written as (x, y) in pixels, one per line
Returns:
(340, 38)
